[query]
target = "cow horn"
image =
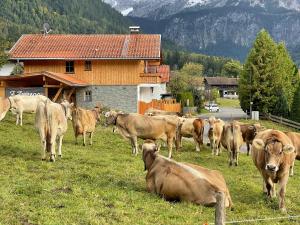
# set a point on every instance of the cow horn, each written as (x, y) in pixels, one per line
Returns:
(288, 149)
(258, 143)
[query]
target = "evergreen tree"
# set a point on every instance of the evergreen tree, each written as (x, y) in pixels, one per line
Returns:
(281, 107)
(295, 109)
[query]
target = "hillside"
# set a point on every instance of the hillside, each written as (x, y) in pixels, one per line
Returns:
(18, 17)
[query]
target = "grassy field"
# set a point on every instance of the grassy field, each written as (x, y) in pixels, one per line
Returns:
(104, 184)
(225, 102)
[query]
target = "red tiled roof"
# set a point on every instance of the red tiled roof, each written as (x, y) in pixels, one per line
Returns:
(63, 78)
(99, 46)
(164, 70)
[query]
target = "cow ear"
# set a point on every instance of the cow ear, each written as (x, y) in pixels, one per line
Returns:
(288, 149)
(258, 143)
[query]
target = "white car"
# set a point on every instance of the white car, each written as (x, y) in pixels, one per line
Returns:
(212, 107)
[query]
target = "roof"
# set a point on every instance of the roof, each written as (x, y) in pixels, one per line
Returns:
(164, 70)
(63, 78)
(221, 81)
(83, 46)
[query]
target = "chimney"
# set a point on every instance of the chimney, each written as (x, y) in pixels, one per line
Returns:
(134, 29)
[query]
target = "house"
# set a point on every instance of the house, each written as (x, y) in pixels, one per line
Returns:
(115, 70)
(227, 86)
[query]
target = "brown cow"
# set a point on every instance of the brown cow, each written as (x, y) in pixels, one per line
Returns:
(295, 138)
(232, 140)
(133, 126)
(191, 127)
(84, 121)
(157, 112)
(215, 134)
(182, 181)
(273, 154)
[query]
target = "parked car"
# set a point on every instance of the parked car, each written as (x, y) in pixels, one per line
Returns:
(212, 107)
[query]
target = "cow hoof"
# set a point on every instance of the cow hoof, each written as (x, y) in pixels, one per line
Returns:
(283, 210)
(59, 156)
(52, 160)
(236, 164)
(43, 159)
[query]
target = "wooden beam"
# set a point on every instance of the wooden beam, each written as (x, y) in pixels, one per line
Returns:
(70, 94)
(52, 86)
(57, 94)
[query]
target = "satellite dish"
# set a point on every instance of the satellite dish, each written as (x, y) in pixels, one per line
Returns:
(46, 28)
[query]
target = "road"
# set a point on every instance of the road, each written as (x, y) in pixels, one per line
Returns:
(227, 114)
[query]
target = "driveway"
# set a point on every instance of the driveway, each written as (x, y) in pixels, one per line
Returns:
(226, 113)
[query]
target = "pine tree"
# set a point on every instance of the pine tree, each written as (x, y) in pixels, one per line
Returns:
(281, 107)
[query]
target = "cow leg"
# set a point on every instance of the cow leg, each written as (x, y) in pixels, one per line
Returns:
(236, 157)
(59, 146)
(135, 144)
(52, 146)
(281, 193)
(84, 134)
(21, 118)
(17, 121)
(170, 143)
(91, 138)
(248, 148)
(197, 143)
(44, 145)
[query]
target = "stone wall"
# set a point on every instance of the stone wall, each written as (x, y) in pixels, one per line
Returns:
(115, 97)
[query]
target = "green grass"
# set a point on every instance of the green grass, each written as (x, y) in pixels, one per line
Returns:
(104, 184)
(225, 102)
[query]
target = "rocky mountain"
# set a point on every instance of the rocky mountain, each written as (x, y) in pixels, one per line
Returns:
(219, 27)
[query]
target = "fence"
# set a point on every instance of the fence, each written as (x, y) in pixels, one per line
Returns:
(169, 105)
(281, 120)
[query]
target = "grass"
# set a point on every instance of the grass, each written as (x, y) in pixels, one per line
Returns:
(104, 184)
(225, 102)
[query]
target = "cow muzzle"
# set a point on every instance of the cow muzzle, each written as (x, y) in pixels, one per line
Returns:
(271, 168)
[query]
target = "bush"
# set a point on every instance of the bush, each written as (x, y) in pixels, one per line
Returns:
(184, 96)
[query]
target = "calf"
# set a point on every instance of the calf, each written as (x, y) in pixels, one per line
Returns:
(182, 181)
(232, 140)
(133, 126)
(19, 104)
(215, 134)
(84, 121)
(51, 123)
(273, 154)
(191, 127)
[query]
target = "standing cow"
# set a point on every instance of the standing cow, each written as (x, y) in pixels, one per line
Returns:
(19, 104)
(191, 127)
(215, 134)
(232, 140)
(133, 126)
(295, 138)
(248, 133)
(84, 121)
(182, 181)
(273, 154)
(51, 123)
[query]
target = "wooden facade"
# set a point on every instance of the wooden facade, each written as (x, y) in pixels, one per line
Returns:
(103, 72)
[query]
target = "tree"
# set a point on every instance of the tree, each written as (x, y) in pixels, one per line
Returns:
(3, 56)
(281, 107)
(232, 69)
(214, 94)
(268, 70)
(178, 83)
(295, 109)
(192, 69)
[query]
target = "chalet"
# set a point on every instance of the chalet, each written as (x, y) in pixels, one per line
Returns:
(226, 86)
(117, 71)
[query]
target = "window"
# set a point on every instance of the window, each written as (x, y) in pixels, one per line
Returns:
(88, 96)
(69, 66)
(88, 65)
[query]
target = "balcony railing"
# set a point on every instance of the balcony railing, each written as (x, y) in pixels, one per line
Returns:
(150, 78)
(156, 74)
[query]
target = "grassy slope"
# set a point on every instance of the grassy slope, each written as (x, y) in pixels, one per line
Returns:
(104, 184)
(225, 102)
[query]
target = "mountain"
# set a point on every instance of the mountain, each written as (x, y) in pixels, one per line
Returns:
(219, 27)
(64, 16)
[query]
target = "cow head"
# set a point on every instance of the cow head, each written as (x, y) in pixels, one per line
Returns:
(274, 151)
(97, 113)
(5, 105)
(110, 117)
(150, 150)
(67, 106)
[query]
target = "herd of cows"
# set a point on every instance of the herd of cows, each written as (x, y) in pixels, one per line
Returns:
(273, 152)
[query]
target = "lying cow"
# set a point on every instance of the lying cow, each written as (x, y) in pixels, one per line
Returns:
(232, 140)
(273, 154)
(51, 123)
(133, 126)
(248, 133)
(19, 104)
(215, 134)
(84, 121)
(191, 127)
(182, 181)
(156, 112)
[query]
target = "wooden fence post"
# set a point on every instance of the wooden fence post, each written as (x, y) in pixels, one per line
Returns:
(220, 209)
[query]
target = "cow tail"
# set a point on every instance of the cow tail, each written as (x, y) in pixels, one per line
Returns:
(48, 125)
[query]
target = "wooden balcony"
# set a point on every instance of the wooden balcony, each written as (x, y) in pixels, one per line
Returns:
(150, 78)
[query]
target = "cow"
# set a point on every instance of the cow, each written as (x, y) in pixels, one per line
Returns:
(295, 138)
(248, 133)
(215, 134)
(232, 140)
(156, 112)
(191, 127)
(133, 126)
(51, 123)
(273, 154)
(19, 104)
(175, 181)
(84, 121)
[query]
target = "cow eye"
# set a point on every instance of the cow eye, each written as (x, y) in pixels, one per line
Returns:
(280, 152)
